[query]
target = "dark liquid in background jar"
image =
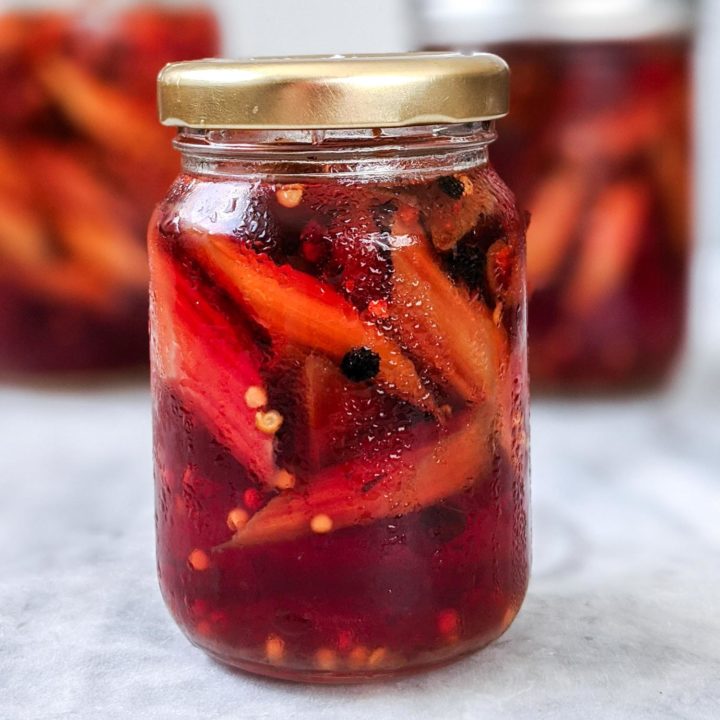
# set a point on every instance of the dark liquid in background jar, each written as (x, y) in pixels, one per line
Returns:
(596, 148)
(82, 163)
(381, 591)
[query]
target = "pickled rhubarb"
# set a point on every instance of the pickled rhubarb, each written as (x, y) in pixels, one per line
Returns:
(603, 170)
(428, 306)
(295, 308)
(340, 417)
(372, 488)
(205, 353)
(82, 164)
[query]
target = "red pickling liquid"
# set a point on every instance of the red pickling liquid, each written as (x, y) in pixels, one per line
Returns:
(417, 550)
(77, 129)
(596, 147)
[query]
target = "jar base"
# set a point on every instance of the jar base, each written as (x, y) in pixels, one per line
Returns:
(324, 677)
(450, 654)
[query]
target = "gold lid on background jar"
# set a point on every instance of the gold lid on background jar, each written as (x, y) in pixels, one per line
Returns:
(324, 92)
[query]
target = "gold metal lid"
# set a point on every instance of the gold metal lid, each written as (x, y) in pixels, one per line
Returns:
(320, 92)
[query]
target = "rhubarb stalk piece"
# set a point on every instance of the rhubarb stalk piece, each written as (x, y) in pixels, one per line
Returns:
(27, 256)
(328, 402)
(213, 363)
(112, 119)
(556, 211)
(362, 491)
(438, 321)
(671, 174)
(298, 309)
(91, 222)
(22, 236)
(614, 233)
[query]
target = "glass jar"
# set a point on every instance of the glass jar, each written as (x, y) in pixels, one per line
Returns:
(339, 365)
(597, 147)
(77, 125)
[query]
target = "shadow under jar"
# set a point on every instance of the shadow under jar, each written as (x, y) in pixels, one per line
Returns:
(339, 365)
(77, 125)
(597, 147)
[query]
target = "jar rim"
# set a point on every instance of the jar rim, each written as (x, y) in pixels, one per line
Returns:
(335, 91)
(341, 153)
(462, 23)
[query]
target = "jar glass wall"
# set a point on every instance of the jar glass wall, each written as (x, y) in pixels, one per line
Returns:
(597, 147)
(77, 126)
(339, 374)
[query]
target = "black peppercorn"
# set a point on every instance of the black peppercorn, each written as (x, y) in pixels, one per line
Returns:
(451, 186)
(360, 363)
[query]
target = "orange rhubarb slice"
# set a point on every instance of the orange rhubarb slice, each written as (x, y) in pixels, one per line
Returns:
(556, 210)
(28, 259)
(108, 250)
(104, 114)
(503, 271)
(90, 220)
(454, 334)
(298, 309)
(213, 364)
(23, 240)
(615, 231)
(367, 489)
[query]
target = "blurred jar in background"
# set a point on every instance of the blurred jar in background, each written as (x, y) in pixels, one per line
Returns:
(596, 147)
(77, 185)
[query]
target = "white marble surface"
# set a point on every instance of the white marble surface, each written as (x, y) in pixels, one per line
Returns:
(621, 620)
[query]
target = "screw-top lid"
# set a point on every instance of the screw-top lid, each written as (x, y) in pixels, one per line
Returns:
(317, 92)
(471, 22)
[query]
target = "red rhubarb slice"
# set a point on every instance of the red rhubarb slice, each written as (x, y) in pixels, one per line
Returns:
(341, 415)
(213, 363)
(369, 488)
(28, 258)
(326, 400)
(504, 278)
(298, 309)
